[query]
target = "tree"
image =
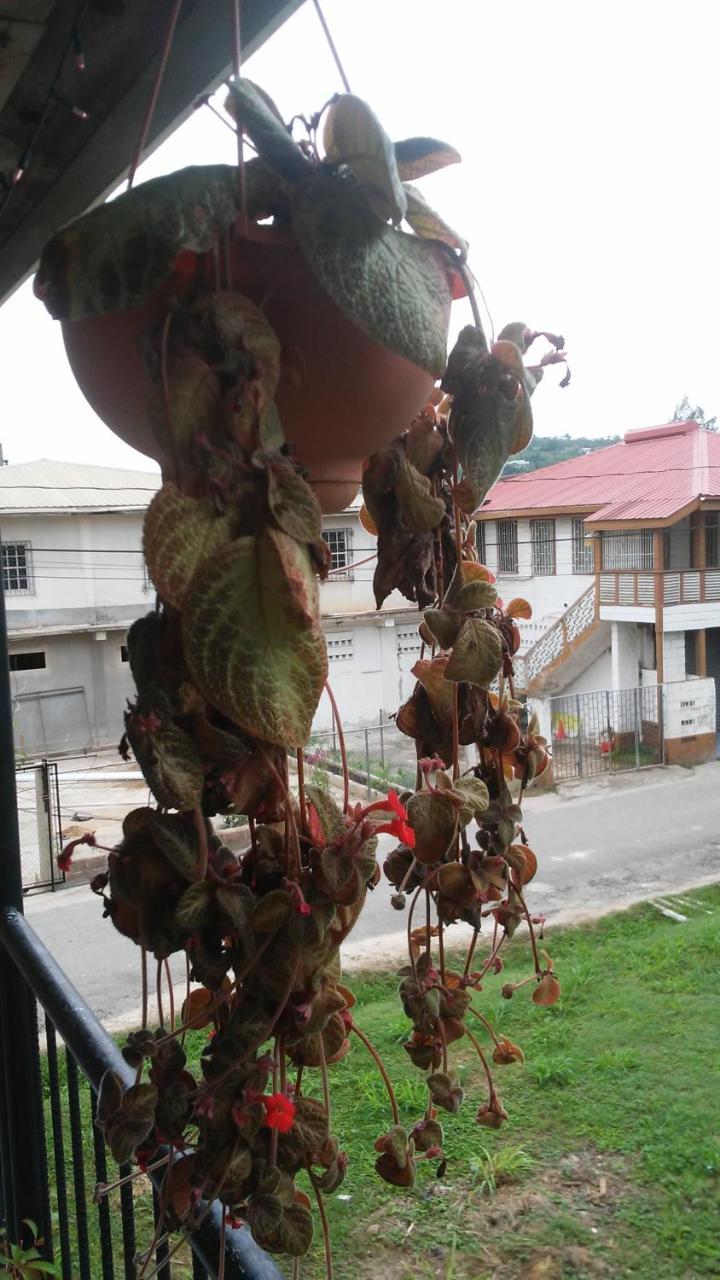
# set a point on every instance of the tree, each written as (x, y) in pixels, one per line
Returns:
(684, 410)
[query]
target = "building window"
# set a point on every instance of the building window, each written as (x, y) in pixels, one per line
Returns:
(712, 542)
(340, 649)
(625, 550)
(481, 542)
(582, 554)
(17, 567)
(27, 661)
(542, 542)
(507, 536)
(340, 543)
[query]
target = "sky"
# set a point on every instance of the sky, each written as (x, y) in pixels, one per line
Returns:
(587, 192)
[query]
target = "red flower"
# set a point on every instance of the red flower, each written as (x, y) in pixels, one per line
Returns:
(279, 1112)
(399, 826)
(65, 858)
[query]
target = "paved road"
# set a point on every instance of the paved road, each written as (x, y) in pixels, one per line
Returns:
(599, 846)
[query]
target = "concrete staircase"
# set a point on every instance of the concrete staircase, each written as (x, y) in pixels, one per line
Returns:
(565, 650)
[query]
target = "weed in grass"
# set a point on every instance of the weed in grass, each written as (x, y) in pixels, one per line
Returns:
(493, 1169)
(552, 1071)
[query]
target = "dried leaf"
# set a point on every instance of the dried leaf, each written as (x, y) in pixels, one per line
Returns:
(430, 672)
(420, 510)
(518, 608)
(433, 817)
(547, 991)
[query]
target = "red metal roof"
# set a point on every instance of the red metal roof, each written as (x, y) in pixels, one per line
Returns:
(653, 474)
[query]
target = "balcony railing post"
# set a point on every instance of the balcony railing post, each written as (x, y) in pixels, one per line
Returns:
(24, 1158)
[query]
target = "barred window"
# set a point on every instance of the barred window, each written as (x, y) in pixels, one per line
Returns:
(340, 544)
(481, 542)
(507, 536)
(622, 549)
(17, 567)
(582, 554)
(542, 541)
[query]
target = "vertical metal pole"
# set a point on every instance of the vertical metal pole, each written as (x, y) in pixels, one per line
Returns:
(579, 735)
(382, 739)
(44, 822)
(26, 1193)
(367, 763)
(609, 729)
(637, 730)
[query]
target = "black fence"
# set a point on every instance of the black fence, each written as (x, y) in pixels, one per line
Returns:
(51, 1153)
(609, 731)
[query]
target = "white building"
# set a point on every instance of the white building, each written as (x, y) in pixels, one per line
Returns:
(618, 553)
(74, 580)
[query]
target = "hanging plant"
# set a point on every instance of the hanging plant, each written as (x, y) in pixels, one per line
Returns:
(350, 267)
(231, 665)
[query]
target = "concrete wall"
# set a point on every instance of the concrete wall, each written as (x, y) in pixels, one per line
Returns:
(76, 701)
(370, 660)
(689, 716)
(549, 595)
(597, 676)
(673, 656)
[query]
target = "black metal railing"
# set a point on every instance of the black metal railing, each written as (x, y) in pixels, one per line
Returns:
(51, 1153)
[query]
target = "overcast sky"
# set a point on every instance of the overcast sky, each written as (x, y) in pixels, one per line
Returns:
(588, 192)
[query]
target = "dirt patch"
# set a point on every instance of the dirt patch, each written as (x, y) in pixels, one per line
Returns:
(558, 1224)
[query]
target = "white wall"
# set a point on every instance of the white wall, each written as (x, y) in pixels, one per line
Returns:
(369, 660)
(689, 708)
(549, 595)
(597, 676)
(94, 564)
(673, 656)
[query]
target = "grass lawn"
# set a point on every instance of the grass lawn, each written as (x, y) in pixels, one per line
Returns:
(612, 1141)
(609, 1164)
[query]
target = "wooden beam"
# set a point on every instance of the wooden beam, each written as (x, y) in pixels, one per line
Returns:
(199, 62)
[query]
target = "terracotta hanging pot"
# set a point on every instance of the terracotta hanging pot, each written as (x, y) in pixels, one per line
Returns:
(341, 395)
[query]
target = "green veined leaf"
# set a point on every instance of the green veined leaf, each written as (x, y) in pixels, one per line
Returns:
(252, 636)
(354, 136)
(115, 256)
(260, 119)
(418, 156)
(393, 286)
(179, 533)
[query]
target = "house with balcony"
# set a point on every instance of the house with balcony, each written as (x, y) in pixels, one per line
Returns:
(74, 580)
(618, 552)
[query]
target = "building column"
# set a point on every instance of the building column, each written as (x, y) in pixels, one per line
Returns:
(701, 653)
(658, 565)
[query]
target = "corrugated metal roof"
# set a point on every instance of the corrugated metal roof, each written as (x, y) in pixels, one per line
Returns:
(46, 485)
(652, 474)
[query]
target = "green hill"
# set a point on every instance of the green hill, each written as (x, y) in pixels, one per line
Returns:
(543, 451)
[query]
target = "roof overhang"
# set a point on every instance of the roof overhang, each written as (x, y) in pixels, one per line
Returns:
(75, 164)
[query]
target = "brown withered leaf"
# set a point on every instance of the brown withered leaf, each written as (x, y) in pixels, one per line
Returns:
(434, 820)
(477, 654)
(431, 674)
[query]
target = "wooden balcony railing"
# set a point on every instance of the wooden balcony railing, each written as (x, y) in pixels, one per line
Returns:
(679, 586)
